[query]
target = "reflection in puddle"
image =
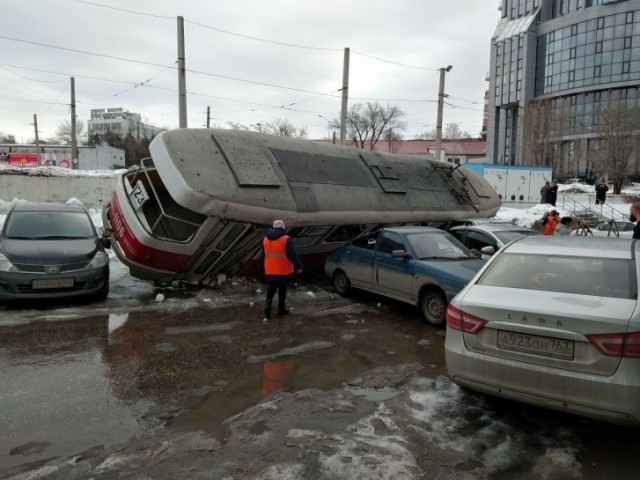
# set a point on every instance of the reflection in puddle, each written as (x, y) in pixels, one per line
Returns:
(116, 320)
(165, 347)
(201, 328)
(220, 339)
(374, 394)
(274, 375)
(315, 345)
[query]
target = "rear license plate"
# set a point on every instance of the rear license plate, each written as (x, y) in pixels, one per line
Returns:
(53, 283)
(536, 344)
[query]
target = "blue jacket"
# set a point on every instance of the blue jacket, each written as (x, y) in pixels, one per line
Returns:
(273, 234)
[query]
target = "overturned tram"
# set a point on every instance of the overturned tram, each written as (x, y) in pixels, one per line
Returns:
(198, 207)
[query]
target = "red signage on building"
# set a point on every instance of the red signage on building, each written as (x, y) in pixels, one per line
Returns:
(23, 160)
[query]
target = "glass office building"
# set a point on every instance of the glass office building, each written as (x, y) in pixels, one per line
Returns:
(576, 57)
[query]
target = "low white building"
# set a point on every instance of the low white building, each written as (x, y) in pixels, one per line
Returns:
(99, 157)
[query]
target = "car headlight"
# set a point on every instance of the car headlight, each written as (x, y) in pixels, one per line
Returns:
(100, 259)
(6, 265)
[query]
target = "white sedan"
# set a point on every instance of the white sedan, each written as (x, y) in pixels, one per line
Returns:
(615, 229)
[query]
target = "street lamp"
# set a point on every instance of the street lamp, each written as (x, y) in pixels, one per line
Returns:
(441, 96)
(329, 126)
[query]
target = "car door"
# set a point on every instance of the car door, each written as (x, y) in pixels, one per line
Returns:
(358, 260)
(393, 276)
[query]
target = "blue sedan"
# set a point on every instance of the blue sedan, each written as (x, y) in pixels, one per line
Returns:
(422, 266)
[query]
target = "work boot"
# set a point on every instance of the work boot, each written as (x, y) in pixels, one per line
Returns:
(267, 309)
(283, 311)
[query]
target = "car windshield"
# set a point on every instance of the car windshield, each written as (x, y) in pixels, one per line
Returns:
(49, 225)
(604, 277)
(507, 236)
(437, 245)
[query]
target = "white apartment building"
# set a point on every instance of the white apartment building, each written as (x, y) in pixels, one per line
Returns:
(121, 122)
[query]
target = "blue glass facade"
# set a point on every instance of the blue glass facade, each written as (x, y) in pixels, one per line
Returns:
(581, 55)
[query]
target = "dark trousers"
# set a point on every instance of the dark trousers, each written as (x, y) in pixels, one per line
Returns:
(281, 286)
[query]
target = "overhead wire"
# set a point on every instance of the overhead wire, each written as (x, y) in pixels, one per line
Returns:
(166, 67)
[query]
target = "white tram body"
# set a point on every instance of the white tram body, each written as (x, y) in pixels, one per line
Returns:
(198, 207)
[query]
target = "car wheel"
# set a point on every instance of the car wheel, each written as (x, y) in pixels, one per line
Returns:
(341, 283)
(433, 307)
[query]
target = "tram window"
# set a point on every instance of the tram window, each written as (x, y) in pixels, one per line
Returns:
(217, 228)
(207, 263)
(366, 241)
(295, 232)
(303, 242)
(166, 218)
(344, 233)
(230, 237)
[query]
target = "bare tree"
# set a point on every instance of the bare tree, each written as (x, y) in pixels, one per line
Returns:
(544, 124)
(7, 138)
(237, 126)
(283, 128)
(618, 126)
(453, 132)
(63, 132)
(427, 135)
(367, 124)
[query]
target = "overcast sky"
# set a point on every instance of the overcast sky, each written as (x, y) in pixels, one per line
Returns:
(250, 61)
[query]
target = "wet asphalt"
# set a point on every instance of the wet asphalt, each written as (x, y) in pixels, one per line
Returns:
(83, 397)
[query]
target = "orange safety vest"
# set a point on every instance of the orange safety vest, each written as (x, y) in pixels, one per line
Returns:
(550, 226)
(276, 261)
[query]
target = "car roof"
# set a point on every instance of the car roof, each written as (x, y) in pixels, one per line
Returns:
(510, 227)
(575, 246)
(484, 221)
(414, 229)
(48, 207)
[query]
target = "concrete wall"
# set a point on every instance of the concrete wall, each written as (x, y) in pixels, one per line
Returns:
(92, 191)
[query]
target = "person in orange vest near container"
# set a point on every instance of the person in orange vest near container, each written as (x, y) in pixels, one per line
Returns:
(280, 263)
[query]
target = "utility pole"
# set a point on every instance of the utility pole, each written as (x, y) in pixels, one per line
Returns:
(74, 140)
(208, 115)
(35, 126)
(440, 108)
(345, 97)
(182, 76)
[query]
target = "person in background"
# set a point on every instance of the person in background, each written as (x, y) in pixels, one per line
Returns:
(553, 193)
(280, 263)
(551, 222)
(564, 227)
(634, 217)
(544, 193)
(601, 192)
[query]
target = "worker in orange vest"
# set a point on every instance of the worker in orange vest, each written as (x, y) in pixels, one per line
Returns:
(280, 263)
(551, 222)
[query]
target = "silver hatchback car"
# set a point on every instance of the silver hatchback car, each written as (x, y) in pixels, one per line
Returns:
(554, 322)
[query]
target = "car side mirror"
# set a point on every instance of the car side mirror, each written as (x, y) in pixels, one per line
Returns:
(488, 250)
(476, 253)
(400, 254)
(106, 242)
